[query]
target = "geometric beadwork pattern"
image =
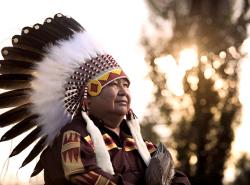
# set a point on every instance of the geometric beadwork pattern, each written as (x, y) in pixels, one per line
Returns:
(95, 86)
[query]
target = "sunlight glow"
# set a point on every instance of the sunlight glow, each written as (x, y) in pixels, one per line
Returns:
(232, 50)
(222, 54)
(175, 72)
(218, 84)
(241, 143)
(167, 65)
(193, 81)
(229, 174)
(188, 58)
(163, 131)
(204, 59)
(216, 64)
(208, 73)
(193, 160)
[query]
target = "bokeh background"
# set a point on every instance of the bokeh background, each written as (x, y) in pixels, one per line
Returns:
(189, 66)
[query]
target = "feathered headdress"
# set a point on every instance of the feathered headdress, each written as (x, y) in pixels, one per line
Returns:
(47, 72)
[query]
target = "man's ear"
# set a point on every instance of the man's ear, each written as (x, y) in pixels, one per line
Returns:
(86, 103)
(89, 100)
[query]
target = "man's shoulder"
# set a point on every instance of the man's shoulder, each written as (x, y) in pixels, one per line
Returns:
(77, 125)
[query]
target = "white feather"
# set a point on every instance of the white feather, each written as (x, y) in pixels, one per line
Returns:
(51, 73)
(135, 130)
(102, 155)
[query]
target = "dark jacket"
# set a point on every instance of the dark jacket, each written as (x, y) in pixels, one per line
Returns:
(71, 158)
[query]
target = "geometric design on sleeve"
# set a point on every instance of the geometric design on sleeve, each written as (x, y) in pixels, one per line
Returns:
(70, 154)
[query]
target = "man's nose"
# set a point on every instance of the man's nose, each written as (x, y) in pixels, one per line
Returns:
(122, 90)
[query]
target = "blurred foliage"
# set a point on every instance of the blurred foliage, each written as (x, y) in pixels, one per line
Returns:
(209, 110)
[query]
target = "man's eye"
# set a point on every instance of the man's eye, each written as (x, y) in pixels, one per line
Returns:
(126, 85)
(113, 83)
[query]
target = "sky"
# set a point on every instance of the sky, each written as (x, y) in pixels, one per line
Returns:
(117, 24)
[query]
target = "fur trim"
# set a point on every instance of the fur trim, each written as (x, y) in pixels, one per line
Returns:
(135, 130)
(102, 154)
(48, 87)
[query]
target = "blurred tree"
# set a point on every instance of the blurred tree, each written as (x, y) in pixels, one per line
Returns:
(209, 110)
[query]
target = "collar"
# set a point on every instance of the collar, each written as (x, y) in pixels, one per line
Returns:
(124, 130)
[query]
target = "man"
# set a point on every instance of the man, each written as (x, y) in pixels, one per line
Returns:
(77, 148)
(77, 97)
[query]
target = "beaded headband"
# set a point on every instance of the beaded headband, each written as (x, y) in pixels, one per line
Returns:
(93, 74)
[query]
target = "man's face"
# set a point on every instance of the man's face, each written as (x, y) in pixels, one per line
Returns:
(114, 99)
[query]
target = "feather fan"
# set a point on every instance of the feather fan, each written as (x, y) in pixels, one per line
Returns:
(22, 73)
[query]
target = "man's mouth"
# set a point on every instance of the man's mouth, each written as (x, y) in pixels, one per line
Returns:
(122, 102)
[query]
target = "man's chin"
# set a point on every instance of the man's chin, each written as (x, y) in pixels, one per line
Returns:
(121, 112)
